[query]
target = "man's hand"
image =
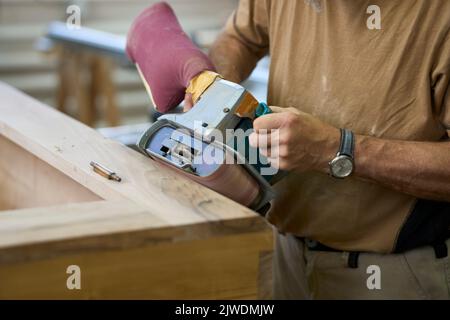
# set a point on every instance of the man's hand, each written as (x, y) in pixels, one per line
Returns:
(188, 103)
(301, 143)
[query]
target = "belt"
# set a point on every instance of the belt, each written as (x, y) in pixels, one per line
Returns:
(317, 246)
(440, 250)
(353, 256)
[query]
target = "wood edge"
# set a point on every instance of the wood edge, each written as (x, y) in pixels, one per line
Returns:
(133, 236)
(132, 239)
(89, 179)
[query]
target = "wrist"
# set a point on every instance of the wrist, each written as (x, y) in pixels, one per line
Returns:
(343, 164)
(329, 149)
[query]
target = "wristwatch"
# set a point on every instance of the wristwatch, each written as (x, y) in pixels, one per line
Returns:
(343, 164)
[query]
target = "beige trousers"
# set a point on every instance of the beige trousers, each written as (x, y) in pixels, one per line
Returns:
(300, 273)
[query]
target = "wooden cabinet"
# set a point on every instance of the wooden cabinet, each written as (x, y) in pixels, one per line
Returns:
(155, 235)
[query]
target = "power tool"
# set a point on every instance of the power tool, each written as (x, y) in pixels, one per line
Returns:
(209, 143)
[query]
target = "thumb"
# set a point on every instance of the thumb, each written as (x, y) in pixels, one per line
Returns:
(188, 103)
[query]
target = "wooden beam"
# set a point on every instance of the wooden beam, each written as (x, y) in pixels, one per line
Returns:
(69, 146)
(42, 233)
(154, 235)
(220, 268)
(126, 252)
(26, 181)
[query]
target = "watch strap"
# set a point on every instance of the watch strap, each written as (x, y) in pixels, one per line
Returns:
(347, 145)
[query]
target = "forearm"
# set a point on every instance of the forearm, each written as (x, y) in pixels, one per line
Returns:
(421, 169)
(305, 143)
(233, 59)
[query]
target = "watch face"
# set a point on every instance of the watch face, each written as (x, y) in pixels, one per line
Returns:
(341, 167)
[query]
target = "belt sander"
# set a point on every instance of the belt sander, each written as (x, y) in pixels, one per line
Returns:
(197, 143)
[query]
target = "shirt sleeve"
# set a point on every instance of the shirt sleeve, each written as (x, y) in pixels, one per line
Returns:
(250, 24)
(446, 110)
(441, 83)
(244, 40)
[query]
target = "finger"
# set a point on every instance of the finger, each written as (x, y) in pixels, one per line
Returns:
(272, 152)
(265, 152)
(264, 140)
(276, 109)
(269, 121)
(188, 103)
(274, 163)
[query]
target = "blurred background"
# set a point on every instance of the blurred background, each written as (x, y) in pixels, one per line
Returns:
(60, 65)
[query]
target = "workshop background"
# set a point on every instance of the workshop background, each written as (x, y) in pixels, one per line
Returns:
(98, 90)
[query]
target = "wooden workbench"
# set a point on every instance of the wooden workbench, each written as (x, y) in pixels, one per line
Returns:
(154, 235)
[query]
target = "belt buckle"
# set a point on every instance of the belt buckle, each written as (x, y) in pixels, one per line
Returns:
(311, 244)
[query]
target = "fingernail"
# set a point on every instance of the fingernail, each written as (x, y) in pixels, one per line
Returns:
(252, 139)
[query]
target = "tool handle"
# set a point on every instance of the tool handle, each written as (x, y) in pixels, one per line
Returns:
(262, 109)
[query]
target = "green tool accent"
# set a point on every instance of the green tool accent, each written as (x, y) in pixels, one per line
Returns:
(262, 109)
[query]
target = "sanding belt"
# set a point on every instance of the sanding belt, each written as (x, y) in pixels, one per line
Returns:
(169, 63)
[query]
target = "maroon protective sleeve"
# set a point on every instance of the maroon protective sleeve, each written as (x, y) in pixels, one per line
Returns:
(166, 56)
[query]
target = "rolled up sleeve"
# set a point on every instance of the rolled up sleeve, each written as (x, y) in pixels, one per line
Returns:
(250, 24)
(244, 40)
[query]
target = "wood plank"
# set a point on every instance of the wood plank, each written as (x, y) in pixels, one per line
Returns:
(220, 268)
(26, 181)
(155, 235)
(35, 234)
(69, 146)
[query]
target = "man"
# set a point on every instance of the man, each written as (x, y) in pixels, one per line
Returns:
(369, 219)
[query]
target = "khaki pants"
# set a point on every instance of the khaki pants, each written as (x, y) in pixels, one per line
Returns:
(300, 273)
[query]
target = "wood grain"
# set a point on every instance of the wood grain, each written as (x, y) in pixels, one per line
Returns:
(26, 181)
(31, 234)
(154, 235)
(220, 268)
(69, 146)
